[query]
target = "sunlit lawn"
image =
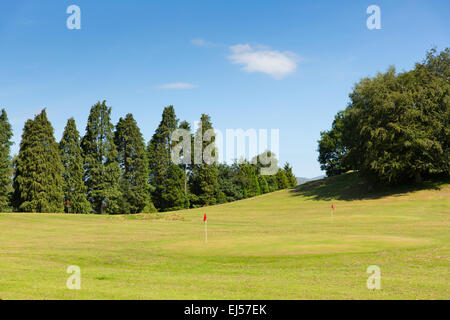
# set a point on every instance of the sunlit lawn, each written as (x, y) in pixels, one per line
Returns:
(284, 245)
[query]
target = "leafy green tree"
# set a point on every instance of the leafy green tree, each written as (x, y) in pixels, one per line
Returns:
(434, 97)
(159, 156)
(332, 149)
(5, 162)
(396, 127)
(132, 158)
(38, 185)
(292, 180)
(204, 176)
(404, 129)
(102, 171)
(75, 200)
(229, 182)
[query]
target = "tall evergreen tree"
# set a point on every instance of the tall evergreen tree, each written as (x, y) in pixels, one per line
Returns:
(132, 159)
(282, 180)
(38, 185)
(272, 181)
(268, 161)
(249, 180)
(159, 156)
(75, 200)
(204, 179)
(5, 162)
(186, 126)
(102, 172)
(174, 197)
(292, 180)
(265, 163)
(264, 186)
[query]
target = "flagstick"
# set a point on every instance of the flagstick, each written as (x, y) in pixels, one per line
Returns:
(206, 231)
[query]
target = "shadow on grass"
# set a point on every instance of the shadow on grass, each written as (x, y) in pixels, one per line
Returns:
(351, 186)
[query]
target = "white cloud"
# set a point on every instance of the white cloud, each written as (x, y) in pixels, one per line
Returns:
(177, 85)
(261, 59)
(199, 42)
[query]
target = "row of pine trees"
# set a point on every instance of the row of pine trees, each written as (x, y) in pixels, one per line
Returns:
(111, 169)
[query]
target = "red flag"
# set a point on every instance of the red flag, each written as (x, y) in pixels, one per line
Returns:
(332, 206)
(68, 203)
(204, 218)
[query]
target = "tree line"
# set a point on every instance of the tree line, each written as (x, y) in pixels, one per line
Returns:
(396, 128)
(112, 170)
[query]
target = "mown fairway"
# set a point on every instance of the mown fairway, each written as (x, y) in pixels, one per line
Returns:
(278, 246)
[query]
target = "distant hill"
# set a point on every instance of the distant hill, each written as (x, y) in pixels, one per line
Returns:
(301, 180)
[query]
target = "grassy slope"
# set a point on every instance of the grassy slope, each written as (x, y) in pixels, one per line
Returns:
(278, 246)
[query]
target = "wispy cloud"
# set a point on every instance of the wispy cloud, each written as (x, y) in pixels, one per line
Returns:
(177, 85)
(199, 42)
(262, 59)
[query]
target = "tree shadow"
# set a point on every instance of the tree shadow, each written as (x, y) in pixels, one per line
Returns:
(351, 186)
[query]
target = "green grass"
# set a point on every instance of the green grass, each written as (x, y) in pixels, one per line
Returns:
(283, 245)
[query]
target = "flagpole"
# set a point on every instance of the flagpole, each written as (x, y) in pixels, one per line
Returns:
(206, 231)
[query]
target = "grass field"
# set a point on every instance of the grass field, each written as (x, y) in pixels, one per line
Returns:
(283, 245)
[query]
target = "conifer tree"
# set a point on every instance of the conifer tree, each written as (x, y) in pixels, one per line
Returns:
(249, 180)
(205, 175)
(263, 185)
(272, 181)
(282, 180)
(38, 185)
(75, 200)
(102, 172)
(174, 197)
(159, 151)
(186, 126)
(268, 161)
(292, 180)
(132, 159)
(5, 162)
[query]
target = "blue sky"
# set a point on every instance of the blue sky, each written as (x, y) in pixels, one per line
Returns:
(286, 65)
